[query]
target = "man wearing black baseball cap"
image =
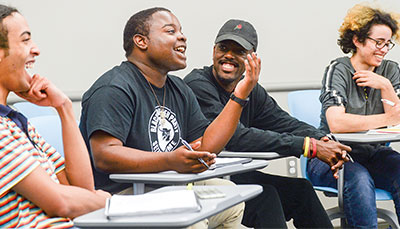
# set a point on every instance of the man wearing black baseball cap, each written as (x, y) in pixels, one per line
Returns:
(263, 126)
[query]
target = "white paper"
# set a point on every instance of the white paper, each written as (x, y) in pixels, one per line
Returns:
(152, 203)
(388, 130)
(224, 161)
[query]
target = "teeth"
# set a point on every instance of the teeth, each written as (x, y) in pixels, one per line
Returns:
(180, 49)
(228, 67)
(29, 65)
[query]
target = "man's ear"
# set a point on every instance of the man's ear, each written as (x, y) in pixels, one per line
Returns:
(140, 41)
(356, 42)
(215, 48)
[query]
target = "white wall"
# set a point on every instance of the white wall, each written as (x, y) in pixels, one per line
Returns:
(81, 39)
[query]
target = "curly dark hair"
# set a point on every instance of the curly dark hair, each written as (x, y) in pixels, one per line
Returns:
(5, 11)
(359, 21)
(138, 24)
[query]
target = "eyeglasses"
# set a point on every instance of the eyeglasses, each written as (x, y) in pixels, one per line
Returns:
(379, 44)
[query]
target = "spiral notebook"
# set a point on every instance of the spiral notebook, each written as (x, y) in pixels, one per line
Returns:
(152, 203)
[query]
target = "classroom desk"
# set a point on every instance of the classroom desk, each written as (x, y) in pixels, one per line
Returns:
(254, 155)
(234, 195)
(362, 137)
(174, 178)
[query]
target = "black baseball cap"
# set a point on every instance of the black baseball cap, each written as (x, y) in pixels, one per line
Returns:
(239, 31)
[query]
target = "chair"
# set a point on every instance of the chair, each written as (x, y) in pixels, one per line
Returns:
(305, 106)
(49, 126)
(31, 110)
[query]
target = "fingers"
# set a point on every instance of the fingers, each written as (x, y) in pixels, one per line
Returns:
(195, 145)
(338, 165)
(325, 139)
(196, 166)
(345, 147)
(253, 65)
(194, 155)
(336, 174)
(36, 91)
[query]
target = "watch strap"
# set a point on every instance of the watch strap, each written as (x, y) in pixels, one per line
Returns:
(242, 102)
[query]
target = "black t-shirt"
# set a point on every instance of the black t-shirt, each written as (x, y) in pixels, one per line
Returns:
(263, 126)
(122, 104)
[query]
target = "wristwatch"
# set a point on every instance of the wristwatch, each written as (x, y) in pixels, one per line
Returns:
(242, 102)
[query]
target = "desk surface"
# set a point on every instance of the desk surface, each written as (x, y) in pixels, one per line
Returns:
(173, 178)
(255, 155)
(362, 137)
(234, 195)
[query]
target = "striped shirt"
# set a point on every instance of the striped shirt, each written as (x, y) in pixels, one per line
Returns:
(18, 158)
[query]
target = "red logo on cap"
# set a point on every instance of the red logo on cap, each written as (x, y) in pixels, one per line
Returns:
(238, 27)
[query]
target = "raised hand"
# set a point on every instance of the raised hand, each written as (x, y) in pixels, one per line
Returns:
(253, 68)
(43, 93)
(370, 79)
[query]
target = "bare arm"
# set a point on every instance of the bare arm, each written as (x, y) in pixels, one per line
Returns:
(341, 122)
(57, 199)
(111, 156)
(224, 125)
(78, 170)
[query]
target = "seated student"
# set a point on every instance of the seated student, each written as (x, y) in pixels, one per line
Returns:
(263, 126)
(351, 99)
(135, 116)
(38, 187)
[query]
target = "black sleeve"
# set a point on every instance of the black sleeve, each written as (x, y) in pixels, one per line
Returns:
(110, 110)
(270, 116)
(271, 136)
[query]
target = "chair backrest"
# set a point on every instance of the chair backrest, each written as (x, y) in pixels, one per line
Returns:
(305, 106)
(49, 127)
(31, 110)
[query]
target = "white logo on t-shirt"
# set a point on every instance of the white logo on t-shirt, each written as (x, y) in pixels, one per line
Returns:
(164, 137)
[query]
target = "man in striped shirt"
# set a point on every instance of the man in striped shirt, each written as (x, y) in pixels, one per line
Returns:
(38, 187)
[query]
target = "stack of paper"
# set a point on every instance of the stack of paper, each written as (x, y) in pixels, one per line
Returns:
(389, 130)
(152, 203)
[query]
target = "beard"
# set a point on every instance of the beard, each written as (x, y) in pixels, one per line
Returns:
(225, 81)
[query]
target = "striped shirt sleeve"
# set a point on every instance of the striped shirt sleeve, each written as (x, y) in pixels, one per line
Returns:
(334, 87)
(16, 161)
(52, 154)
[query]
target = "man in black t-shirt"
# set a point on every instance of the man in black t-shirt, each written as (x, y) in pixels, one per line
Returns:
(263, 126)
(135, 116)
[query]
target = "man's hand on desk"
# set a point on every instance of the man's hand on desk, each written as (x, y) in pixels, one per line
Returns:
(333, 153)
(183, 160)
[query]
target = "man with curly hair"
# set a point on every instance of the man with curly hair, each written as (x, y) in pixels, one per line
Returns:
(351, 99)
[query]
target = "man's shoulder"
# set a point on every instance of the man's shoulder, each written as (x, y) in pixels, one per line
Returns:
(121, 76)
(198, 74)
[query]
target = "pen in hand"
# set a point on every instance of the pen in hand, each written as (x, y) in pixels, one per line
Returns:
(332, 137)
(388, 102)
(187, 145)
